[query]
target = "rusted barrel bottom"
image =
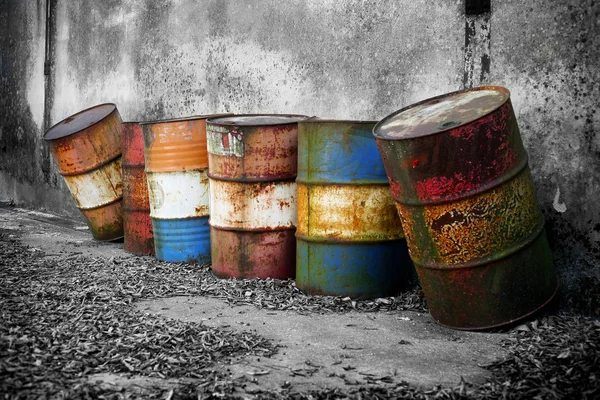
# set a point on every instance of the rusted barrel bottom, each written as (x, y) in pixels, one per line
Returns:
(138, 236)
(494, 294)
(105, 222)
(253, 254)
(182, 240)
(358, 270)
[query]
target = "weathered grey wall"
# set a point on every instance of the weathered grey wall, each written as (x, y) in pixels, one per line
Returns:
(548, 54)
(341, 59)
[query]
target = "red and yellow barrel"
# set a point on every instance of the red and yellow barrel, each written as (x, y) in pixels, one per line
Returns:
(460, 178)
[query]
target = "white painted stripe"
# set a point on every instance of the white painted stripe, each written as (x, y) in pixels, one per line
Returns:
(98, 187)
(253, 205)
(178, 194)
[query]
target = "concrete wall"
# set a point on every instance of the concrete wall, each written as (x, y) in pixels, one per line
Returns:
(340, 59)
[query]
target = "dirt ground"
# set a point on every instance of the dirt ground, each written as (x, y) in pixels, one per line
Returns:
(315, 351)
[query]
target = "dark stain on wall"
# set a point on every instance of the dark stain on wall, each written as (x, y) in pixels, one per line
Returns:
(477, 50)
(49, 86)
(19, 134)
(548, 52)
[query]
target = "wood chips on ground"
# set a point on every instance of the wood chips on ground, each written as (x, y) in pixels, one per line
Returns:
(63, 320)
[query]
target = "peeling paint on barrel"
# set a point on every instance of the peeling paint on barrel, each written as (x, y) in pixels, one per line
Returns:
(178, 188)
(252, 168)
(349, 236)
(87, 149)
(463, 189)
(138, 237)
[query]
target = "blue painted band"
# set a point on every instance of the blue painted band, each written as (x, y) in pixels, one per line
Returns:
(357, 270)
(182, 240)
(344, 152)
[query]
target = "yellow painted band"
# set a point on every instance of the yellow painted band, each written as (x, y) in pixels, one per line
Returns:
(347, 212)
(473, 228)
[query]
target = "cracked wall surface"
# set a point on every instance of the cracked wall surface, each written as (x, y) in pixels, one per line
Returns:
(346, 59)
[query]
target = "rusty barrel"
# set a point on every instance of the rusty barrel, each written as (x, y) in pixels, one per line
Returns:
(460, 177)
(87, 149)
(252, 171)
(349, 236)
(137, 225)
(176, 166)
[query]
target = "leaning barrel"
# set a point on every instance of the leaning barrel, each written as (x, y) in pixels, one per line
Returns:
(252, 170)
(137, 225)
(87, 149)
(460, 177)
(176, 166)
(349, 236)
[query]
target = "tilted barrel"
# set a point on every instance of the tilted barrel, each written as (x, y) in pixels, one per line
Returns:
(137, 225)
(459, 174)
(87, 149)
(252, 172)
(349, 236)
(176, 166)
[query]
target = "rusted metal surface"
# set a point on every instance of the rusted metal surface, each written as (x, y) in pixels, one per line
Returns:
(253, 206)
(252, 167)
(176, 166)
(87, 149)
(256, 254)
(349, 236)
(459, 174)
(137, 225)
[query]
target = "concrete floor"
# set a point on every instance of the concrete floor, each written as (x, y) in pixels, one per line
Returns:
(317, 350)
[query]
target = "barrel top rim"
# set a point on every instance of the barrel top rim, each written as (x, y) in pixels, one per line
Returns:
(316, 120)
(260, 119)
(79, 121)
(181, 119)
(504, 96)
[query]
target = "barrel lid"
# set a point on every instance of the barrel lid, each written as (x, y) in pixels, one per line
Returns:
(258, 119)
(80, 121)
(190, 118)
(441, 113)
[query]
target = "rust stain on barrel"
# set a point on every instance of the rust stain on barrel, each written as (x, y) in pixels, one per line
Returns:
(87, 149)
(138, 236)
(252, 167)
(269, 152)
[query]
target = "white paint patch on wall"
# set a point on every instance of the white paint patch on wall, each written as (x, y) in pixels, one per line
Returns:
(35, 65)
(116, 86)
(324, 4)
(557, 204)
(66, 97)
(72, 92)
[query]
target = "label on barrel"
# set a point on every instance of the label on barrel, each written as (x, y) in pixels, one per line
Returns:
(222, 141)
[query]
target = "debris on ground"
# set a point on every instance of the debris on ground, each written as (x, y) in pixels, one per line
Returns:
(65, 320)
